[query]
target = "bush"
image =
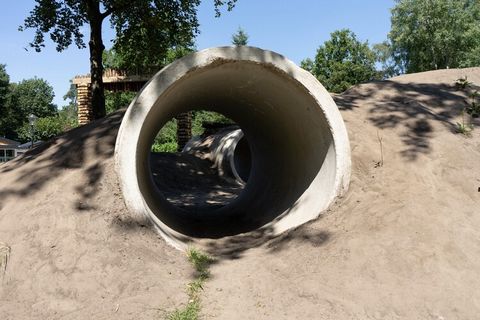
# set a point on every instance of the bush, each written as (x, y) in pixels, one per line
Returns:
(166, 139)
(47, 128)
(118, 100)
(201, 117)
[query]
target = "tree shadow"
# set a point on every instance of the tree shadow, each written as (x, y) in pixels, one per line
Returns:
(84, 148)
(414, 107)
(235, 247)
(190, 182)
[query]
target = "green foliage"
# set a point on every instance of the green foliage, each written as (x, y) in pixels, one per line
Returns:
(145, 31)
(4, 82)
(177, 52)
(307, 64)
(165, 147)
(118, 100)
(435, 34)
(384, 55)
(464, 128)
(47, 128)
(240, 38)
(166, 139)
(32, 96)
(113, 59)
(200, 261)
(201, 117)
(4, 89)
(342, 61)
(148, 30)
(191, 311)
(474, 107)
(463, 83)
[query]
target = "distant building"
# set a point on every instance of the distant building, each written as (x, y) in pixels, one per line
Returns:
(10, 149)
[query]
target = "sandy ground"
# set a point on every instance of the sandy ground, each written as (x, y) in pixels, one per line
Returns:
(402, 244)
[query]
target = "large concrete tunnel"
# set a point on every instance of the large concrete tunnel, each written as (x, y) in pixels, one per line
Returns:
(298, 146)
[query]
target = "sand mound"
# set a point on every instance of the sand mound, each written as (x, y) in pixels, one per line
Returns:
(402, 244)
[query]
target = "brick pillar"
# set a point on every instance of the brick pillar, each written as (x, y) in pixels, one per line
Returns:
(84, 102)
(184, 129)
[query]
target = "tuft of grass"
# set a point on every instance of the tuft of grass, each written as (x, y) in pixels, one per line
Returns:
(464, 129)
(463, 83)
(200, 261)
(191, 311)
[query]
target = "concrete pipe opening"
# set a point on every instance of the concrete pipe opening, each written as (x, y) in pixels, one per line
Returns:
(298, 147)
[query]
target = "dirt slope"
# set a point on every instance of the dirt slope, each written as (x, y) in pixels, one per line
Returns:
(75, 251)
(402, 244)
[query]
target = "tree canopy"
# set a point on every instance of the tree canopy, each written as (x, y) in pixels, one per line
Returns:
(4, 82)
(31, 96)
(145, 30)
(435, 34)
(240, 38)
(342, 62)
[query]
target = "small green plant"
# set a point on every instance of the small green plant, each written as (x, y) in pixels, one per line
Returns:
(200, 261)
(463, 127)
(191, 311)
(474, 107)
(462, 83)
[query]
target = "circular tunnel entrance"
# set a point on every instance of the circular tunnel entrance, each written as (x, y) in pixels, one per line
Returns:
(293, 153)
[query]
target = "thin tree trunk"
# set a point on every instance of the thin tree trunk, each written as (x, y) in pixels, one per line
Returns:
(96, 65)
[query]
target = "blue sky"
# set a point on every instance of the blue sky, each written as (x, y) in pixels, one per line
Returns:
(294, 29)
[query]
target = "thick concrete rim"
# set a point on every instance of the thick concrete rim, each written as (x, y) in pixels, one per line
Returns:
(300, 147)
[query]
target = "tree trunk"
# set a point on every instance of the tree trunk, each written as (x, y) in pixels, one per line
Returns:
(96, 65)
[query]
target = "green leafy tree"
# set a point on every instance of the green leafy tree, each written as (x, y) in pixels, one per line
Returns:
(4, 83)
(240, 38)
(32, 96)
(70, 111)
(113, 59)
(435, 34)
(46, 128)
(145, 30)
(118, 100)
(384, 55)
(201, 117)
(342, 61)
